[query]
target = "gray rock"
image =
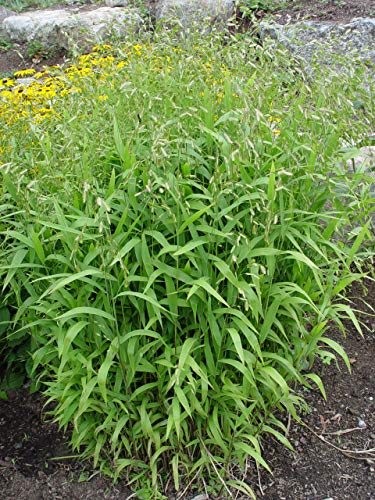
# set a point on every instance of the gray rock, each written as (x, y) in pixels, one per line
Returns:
(363, 161)
(63, 28)
(116, 3)
(4, 13)
(203, 14)
(25, 82)
(326, 42)
(361, 423)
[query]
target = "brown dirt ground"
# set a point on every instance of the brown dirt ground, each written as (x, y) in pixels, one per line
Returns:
(341, 11)
(30, 447)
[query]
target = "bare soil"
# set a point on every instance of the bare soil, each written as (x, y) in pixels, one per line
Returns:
(323, 466)
(340, 11)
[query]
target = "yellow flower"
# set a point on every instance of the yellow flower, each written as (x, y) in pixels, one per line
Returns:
(71, 69)
(101, 48)
(6, 93)
(85, 58)
(277, 131)
(102, 98)
(24, 72)
(273, 119)
(85, 71)
(7, 82)
(45, 110)
(41, 74)
(106, 60)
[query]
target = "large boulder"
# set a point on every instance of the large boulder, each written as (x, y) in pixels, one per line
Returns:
(326, 42)
(4, 13)
(117, 3)
(64, 28)
(190, 14)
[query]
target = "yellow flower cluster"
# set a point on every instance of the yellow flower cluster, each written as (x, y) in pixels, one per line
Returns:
(34, 97)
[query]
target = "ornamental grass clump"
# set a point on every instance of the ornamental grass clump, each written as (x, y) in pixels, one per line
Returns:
(175, 241)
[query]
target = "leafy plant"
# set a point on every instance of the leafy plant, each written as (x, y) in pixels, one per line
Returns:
(175, 249)
(38, 51)
(5, 45)
(248, 7)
